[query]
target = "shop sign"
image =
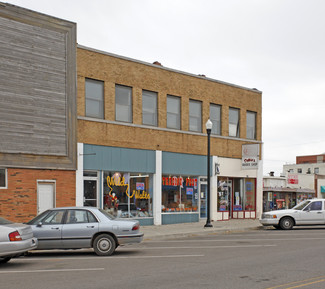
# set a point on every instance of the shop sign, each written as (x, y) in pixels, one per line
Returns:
(322, 189)
(120, 182)
(250, 156)
(178, 181)
(293, 179)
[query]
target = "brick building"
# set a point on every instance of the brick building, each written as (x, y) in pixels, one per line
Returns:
(37, 112)
(131, 138)
(144, 124)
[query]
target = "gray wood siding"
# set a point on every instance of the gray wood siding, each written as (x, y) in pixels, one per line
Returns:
(38, 118)
(32, 89)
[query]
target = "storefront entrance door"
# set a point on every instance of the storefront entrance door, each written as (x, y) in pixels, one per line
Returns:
(90, 193)
(203, 198)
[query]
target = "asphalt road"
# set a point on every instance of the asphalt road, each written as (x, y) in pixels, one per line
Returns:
(261, 259)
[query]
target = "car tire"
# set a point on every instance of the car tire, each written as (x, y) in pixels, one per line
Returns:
(104, 245)
(286, 223)
(4, 260)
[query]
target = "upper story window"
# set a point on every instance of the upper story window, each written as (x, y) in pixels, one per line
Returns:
(173, 112)
(215, 117)
(195, 116)
(123, 103)
(94, 98)
(234, 122)
(251, 125)
(3, 178)
(149, 108)
(299, 171)
(316, 170)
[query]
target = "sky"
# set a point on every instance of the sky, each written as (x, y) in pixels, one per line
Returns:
(276, 46)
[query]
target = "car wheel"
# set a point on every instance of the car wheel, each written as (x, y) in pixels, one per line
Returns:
(5, 260)
(286, 223)
(104, 245)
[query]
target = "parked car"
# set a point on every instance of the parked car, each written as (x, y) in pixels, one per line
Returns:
(83, 227)
(308, 212)
(15, 239)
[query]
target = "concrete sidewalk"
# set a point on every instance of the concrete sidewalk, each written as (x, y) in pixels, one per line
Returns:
(164, 232)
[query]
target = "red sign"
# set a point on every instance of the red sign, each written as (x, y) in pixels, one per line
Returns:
(178, 181)
(293, 179)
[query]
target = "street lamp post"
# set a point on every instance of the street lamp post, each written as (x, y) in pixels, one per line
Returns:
(208, 126)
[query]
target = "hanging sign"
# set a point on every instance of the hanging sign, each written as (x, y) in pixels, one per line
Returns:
(250, 156)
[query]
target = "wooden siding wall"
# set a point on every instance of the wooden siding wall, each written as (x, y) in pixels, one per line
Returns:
(37, 90)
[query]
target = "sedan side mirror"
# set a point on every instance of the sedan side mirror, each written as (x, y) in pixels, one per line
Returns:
(39, 224)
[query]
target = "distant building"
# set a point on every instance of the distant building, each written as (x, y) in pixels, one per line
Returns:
(308, 172)
(279, 193)
(305, 179)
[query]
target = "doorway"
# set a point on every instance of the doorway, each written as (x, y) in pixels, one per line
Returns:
(45, 196)
(90, 189)
(203, 197)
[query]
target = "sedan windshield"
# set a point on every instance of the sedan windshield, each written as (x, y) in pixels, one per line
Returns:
(4, 221)
(301, 205)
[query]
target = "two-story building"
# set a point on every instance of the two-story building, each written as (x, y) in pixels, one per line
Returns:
(142, 142)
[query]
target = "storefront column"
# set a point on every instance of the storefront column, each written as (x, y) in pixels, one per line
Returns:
(259, 189)
(79, 176)
(157, 177)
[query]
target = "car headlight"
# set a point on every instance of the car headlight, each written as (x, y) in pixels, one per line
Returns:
(269, 216)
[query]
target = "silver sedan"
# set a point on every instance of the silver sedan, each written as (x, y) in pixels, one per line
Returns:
(308, 212)
(15, 239)
(83, 227)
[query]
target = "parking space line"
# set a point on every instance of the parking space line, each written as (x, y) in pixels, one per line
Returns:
(105, 258)
(51, 270)
(205, 247)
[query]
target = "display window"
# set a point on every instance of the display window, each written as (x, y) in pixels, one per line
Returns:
(127, 195)
(278, 201)
(179, 194)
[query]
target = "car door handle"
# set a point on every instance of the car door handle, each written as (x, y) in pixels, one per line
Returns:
(90, 226)
(55, 228)
(319, 212)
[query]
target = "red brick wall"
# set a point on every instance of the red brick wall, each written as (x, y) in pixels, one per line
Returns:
(309, 159)
(19, 201)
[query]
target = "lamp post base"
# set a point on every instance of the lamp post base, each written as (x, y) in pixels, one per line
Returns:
(208, 225)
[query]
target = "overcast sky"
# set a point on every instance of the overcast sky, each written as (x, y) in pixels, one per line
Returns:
(276, 46)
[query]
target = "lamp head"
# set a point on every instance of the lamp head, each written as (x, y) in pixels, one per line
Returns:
(208, 125)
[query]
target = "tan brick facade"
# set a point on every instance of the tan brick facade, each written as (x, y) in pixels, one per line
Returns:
(117, 70)
(19, 201)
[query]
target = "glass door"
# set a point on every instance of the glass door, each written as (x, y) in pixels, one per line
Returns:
(90, 189)
(203, 198)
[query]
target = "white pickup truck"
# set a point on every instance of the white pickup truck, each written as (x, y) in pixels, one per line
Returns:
(308, 212)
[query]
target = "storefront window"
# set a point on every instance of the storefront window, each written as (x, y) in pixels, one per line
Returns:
(249, 194)
(127, 195)
(179, 194)
(224, 193)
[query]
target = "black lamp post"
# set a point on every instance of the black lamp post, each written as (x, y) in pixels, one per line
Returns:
(208, 126)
